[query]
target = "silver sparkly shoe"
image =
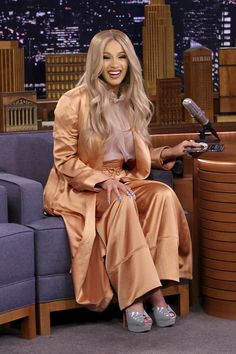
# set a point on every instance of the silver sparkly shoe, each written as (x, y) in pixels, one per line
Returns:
(136, 321)
(164, 316)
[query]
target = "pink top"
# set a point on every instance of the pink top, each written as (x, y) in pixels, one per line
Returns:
(121, 145)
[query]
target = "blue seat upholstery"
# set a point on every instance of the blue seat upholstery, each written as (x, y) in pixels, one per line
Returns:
(17, 280)
(3, 205)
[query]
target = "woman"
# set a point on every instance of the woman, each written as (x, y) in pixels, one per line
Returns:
(126, 234)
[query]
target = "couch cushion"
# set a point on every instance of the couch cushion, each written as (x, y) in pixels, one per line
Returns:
(17, 295)
(16, 253)
(53, 260)
(54, 287)
(29, 154)
(17, 281)
(52, 252)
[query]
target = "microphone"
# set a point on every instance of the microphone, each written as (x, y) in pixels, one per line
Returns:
(196, 112)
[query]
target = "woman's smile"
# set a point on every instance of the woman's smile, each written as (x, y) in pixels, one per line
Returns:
(114, 73)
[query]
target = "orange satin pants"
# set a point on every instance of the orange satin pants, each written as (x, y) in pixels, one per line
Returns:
(143, 241)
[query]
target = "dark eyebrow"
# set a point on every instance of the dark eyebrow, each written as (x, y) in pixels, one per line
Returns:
(121, 53)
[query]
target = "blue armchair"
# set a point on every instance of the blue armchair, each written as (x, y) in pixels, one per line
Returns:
(24, 174)
(17, 281)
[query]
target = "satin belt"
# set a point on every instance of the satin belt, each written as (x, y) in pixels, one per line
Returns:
(114, 169)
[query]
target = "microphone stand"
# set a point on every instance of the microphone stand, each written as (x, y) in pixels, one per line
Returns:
(202, 133)
(207, 128)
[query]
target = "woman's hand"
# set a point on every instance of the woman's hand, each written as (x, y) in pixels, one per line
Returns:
(115, 186)
(178, 150)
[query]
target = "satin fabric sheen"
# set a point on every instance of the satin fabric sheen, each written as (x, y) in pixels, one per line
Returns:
(128, 247)
(120, 145)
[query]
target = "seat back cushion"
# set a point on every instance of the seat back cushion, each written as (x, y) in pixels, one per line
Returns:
(27, 154)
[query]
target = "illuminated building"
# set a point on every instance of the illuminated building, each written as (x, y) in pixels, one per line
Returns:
(18, 109)
(198, 84)
(63, 72)
(11, 67)
(158, 44)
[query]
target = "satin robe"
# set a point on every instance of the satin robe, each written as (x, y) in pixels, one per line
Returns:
(72, 193)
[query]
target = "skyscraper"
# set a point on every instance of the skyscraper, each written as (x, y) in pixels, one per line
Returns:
(198, 83)
(158, 44)
(201, 28)
(228, 25)
(11, 67)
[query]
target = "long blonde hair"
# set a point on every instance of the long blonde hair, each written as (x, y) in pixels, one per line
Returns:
(139, 107)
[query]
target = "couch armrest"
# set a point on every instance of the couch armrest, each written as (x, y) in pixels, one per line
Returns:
(164, 176)
(25, 198)
(3, 205)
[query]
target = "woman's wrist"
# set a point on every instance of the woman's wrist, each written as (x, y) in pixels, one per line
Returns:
(101, 184)
(167, 154)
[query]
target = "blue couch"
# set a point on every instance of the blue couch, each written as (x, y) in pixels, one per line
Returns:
(17, 280)
(25, 162)
(3, 205)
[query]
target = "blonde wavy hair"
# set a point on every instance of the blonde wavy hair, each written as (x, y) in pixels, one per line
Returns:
(139, 107)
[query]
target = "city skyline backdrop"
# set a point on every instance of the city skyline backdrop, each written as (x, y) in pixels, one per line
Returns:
(67, 26)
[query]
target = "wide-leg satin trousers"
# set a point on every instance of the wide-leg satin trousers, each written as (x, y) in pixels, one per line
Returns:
(143, 240)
